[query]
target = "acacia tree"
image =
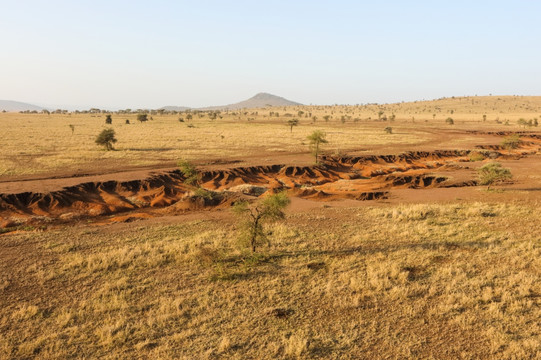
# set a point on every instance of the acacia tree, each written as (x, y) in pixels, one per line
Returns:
(317, 138)
(106, 138)
(252, 233)
(492, 173)
(189, 171)
(291, 123)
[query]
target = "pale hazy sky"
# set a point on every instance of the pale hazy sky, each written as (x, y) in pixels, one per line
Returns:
(130, 54)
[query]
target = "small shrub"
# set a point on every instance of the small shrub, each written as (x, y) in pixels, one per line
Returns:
(511, 142)
(492, 173)
(189, 171)
(206, 194)
(252, 233)
(477, 156)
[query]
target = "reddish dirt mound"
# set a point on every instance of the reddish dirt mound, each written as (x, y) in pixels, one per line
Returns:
(97, 198)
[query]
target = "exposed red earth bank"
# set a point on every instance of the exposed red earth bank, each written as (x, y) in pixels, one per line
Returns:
(367, 177)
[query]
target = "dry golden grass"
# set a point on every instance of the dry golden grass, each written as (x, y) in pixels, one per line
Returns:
(454, 280)
(45, 144)
(39, 143)
(449, 281)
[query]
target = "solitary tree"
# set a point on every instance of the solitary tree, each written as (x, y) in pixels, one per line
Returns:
(291, 123)
(492, 173)
(106, 138)
(316, 138)
(252, 233)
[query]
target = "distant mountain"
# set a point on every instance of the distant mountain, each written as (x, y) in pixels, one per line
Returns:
(258, 101)
(8, 105)
(174, 108)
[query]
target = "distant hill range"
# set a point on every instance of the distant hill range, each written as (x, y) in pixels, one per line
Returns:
(258, 101)
(175, 108)
(8, 105)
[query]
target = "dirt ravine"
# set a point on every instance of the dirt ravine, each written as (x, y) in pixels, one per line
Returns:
(367, 177)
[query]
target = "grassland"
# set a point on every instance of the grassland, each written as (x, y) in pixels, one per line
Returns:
(449, 281)
(441, 273)
(36, 144)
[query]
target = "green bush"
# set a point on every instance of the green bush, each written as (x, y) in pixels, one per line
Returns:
(476, 156)
(206, 194)
(511, 142)
(493, 173)
(189, 171)
(106, 138)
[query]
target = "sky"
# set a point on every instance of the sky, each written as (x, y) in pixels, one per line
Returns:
(146, 54)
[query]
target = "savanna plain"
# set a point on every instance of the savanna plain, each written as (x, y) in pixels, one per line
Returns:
(393, 244)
